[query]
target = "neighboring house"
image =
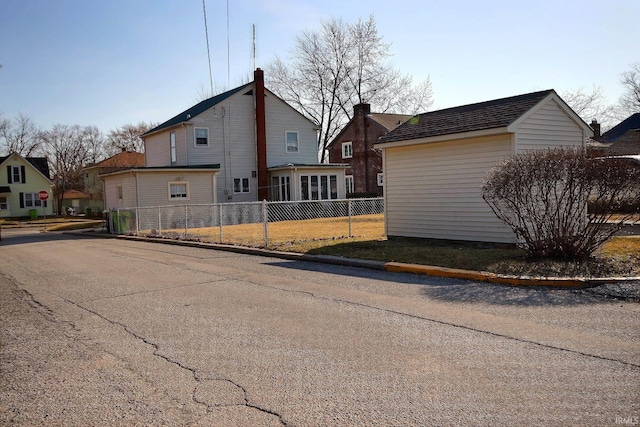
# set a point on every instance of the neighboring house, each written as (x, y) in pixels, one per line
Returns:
(93, 184)
(435, 163)
(21, 179)
(623, 139)
(354, 146)
(76, 202)
(264, 148)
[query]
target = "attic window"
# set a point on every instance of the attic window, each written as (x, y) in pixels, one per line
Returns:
(202, 137)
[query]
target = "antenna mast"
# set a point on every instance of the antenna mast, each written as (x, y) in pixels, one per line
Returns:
(206, 32)
(228, 50)
(253, 58)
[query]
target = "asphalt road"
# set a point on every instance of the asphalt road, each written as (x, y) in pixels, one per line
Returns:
(113, 332)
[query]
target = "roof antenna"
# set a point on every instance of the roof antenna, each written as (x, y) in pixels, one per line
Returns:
(253, 57)
(228, 50)
(206, 32)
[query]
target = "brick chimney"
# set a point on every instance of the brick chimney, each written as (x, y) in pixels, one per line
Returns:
(596, 128)
(261, 135)
(361, 109)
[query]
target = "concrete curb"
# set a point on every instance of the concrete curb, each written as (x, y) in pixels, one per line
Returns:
(396, 267)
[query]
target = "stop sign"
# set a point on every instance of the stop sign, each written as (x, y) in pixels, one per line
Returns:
(43, 195)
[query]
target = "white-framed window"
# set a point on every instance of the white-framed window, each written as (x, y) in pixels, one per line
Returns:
(281, 188)
(240, 185)
(172, 147)
(347, 150)
(4, 203)
(178, 190)
(291, 139)
(119, 192)
(16, 174)
(348, 180)
(201, 137)
(380, 179)
(31, 200)
(319, 187)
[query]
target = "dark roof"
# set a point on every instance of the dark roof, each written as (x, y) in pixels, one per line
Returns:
(467, 118)
(630, 123)
(40, 163)
(196, 109)
(5, 189)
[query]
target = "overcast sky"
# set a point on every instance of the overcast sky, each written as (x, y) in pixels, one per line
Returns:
(111, 62)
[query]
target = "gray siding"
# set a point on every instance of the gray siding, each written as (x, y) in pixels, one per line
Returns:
(433, 190)
(280, 119)
(548, 126)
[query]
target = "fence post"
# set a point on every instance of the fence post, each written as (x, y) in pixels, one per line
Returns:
(265, 223)
(186, 219)
(349, 211)
(137, 211)
(220, 220)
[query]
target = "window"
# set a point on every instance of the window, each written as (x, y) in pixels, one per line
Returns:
(119, 192)
(240, 185)
(292, 142)
(380, 179)
(349, 184)
(4, 203)
(16, 174)
(178, 190)
(30, 200)
(281, 188)
(319, 187)
(172, 145)
(202, 137)
(347, 150)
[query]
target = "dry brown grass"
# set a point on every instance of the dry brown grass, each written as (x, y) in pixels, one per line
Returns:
(329, 236)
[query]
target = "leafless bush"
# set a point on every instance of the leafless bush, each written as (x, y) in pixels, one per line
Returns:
(543, 194)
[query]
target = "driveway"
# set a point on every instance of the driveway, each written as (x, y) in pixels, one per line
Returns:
(113, 332)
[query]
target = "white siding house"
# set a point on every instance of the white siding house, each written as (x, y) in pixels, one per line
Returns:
(248, 140)
(436, 162)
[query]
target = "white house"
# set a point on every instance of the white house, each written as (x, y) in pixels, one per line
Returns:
(261, 147)
(435, 163)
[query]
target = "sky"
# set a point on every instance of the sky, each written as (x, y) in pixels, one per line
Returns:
(111, 62)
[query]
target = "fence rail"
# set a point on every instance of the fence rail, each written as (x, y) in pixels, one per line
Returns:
(260, 224)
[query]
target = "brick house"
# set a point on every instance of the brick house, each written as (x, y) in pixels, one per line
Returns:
(354, 146)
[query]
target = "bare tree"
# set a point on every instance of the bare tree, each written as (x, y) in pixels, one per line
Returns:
(630, 101)
(338, 67)
(590, 104)
(128, 138)
(19, 135)
(68, 151)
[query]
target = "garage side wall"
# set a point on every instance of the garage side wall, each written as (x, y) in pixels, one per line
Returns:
(433, 190)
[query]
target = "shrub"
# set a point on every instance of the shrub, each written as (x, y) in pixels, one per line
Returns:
(542, 195)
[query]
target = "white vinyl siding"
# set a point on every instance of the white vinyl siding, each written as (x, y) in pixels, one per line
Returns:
(281, 118)
(433, 190)
(548, 126)
(158, 148)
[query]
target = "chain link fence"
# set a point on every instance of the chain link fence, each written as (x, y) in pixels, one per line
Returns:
(258, 224)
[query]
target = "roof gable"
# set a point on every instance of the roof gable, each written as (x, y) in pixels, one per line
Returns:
(196, 109)
(467, 118)
(40, 164)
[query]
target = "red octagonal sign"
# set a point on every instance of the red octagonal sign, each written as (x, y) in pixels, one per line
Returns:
(43, 195)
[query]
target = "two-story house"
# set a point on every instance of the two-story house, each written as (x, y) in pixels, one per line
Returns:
(354, 145)
(21, 179)
(242, 145)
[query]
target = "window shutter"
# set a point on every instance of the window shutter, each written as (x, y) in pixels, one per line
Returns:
(22, 200)
(9, 175)
(23, 175)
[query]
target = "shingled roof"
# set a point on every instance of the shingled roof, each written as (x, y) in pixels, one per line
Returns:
(630, 123)
(196, 109)
(467, 118)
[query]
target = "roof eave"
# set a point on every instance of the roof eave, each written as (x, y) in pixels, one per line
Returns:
(443, 138)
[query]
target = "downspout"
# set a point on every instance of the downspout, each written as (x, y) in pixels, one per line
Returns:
(261, 136)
